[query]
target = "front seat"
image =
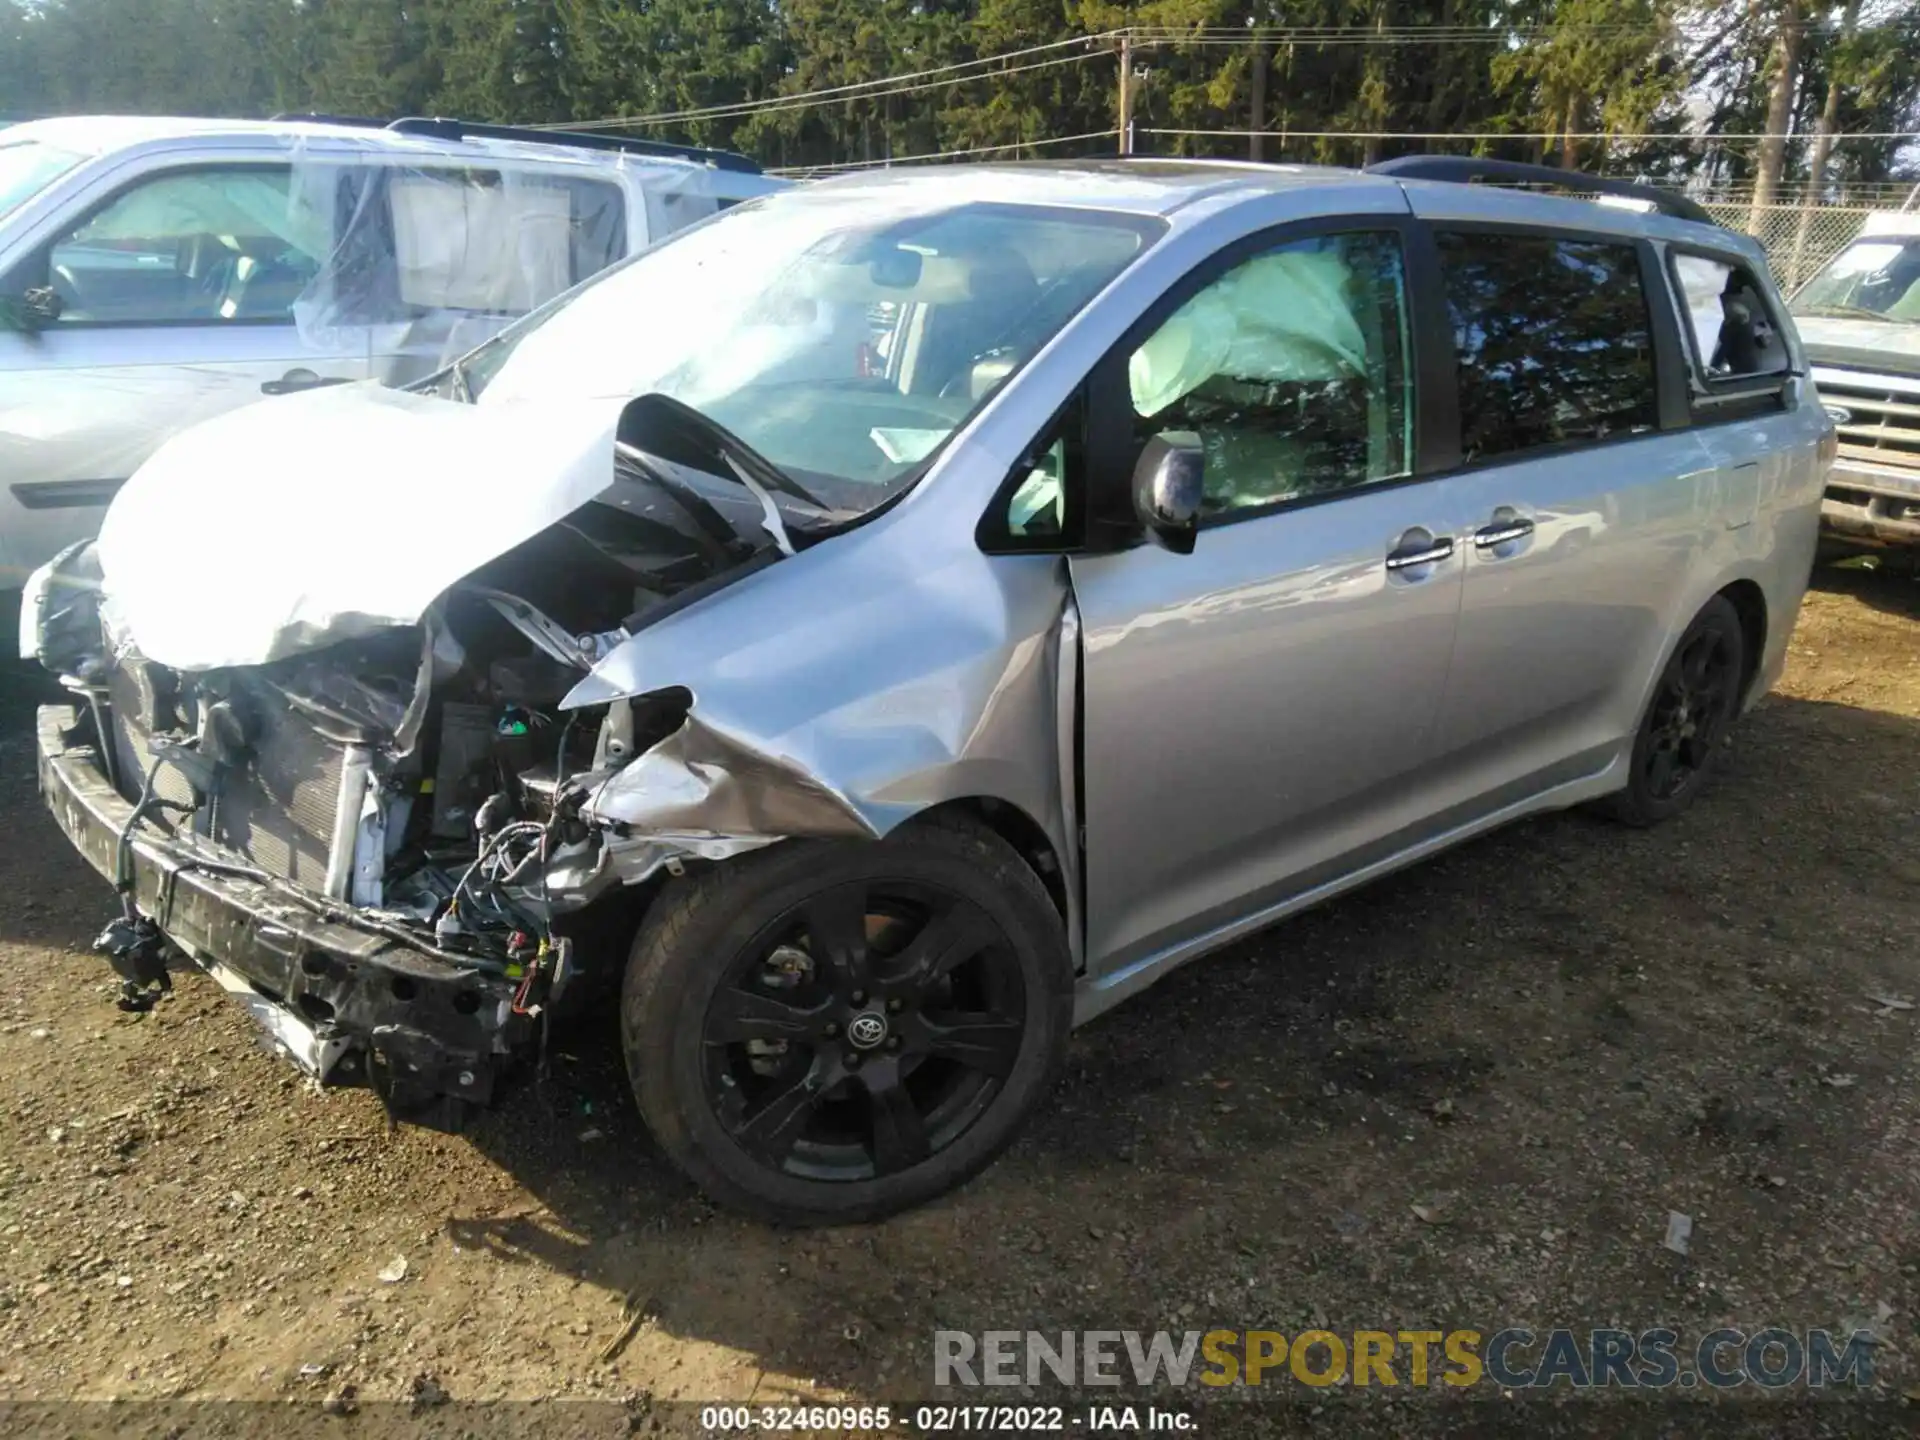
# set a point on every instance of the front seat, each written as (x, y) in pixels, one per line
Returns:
(1001, 291)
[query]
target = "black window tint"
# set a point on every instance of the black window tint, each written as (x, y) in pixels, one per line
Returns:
(1553, 341)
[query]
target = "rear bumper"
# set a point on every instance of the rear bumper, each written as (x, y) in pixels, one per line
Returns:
(1872, 505)
(348, 1001)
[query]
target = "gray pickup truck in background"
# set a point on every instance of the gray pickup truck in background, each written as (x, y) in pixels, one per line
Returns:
(1859, 318)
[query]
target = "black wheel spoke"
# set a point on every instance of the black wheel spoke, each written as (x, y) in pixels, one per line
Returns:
(899, 1129)
(1661, 766)
(738, 1015)
(777, 1124)
(987, 1043)
(837, 926)
(949, 940)
(1696, 662)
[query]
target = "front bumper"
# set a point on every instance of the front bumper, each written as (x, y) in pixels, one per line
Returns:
(346, 998)
(1872, 504)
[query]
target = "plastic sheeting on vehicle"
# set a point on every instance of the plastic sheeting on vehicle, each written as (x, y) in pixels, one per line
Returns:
(1284, 316)
(325, 254)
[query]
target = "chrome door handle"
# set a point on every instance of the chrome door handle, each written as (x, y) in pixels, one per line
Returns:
(1409, 559)
(1489, 536)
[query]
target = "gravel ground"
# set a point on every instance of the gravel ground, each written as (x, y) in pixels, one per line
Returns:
(1546, 1041)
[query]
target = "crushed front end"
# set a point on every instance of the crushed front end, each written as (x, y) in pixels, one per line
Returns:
(375, 847)
(387, 846)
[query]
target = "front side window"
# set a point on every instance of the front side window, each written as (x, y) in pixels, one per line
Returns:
(1552, 339)
(1293, 368)
(205, 245)
(842, 335)
(1874, 278)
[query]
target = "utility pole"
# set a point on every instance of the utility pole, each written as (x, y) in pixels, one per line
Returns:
(1126, 94)
(1257, 118)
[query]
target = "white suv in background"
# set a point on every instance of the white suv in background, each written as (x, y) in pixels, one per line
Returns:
(156, 272)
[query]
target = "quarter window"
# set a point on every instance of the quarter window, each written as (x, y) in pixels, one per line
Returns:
(1734, 336)
(1292, 368)
(1552, 339)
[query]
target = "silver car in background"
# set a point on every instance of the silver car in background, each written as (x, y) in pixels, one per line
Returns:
(894, 621)
(156, 271)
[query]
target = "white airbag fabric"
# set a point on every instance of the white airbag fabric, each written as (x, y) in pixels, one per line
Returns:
(1278, 317)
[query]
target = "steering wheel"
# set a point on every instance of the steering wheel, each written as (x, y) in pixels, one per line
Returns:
(67, 286)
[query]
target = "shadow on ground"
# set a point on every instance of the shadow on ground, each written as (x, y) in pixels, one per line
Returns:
(1546, 1041)
(1468, 1095)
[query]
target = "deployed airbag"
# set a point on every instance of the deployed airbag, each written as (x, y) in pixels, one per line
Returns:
(1278, 317)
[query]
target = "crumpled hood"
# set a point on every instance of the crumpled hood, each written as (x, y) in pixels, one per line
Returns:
(1891, 348)
(314, 518)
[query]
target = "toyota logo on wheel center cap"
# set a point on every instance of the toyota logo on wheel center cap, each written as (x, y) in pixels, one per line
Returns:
(867, 1029)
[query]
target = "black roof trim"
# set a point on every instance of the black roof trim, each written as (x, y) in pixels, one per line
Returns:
(441, 128)
(1464, 169)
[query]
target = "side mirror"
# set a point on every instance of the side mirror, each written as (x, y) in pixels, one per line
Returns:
(31, 311)
(1168, 489)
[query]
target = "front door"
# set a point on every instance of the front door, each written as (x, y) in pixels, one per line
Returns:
(176, 305)
(1257, 712)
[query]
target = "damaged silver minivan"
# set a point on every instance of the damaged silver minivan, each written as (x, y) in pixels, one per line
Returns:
(892, 622)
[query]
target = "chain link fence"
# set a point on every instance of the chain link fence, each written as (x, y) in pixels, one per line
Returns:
(1799, 238)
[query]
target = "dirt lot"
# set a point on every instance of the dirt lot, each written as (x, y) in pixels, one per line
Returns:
(1548, 1041)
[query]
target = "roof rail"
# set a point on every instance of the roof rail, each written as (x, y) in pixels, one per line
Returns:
(445, 129)
(315, 117)
(1464, 169)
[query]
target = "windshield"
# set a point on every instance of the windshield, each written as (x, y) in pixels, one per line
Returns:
(27, 166)
(841, 335)
(1872, 279)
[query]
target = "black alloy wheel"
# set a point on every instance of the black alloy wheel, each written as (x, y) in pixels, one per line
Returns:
(1682, 735)
(863, 1030)
(1692, 708)
(830, 1031)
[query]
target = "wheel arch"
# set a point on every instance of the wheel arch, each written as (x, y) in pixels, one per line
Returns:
(1749, 602)
(1025, 834)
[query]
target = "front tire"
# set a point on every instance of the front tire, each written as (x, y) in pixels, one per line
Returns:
(830, 1031)
(1682, 735)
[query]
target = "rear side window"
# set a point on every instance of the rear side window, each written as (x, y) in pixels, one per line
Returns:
(441, 242)
(1552, 338)
(1732, 329)
(477, 240)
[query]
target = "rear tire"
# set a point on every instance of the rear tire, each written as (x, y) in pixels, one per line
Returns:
(831, 1031)
(1682, 734)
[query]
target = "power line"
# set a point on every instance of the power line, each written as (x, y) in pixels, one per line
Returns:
(1528, 135)
(982, 68)
(1151, 37)
(941, 154)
